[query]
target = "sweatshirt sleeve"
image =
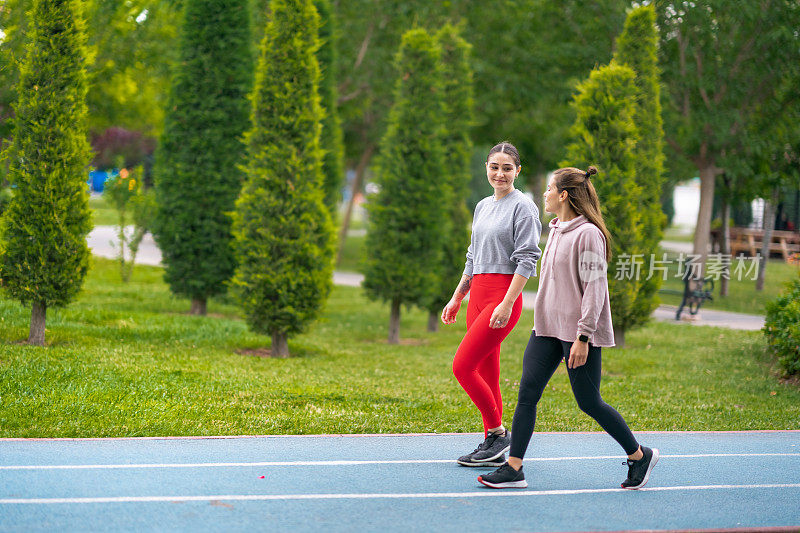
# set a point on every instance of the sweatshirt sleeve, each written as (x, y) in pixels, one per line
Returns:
(527, 230)
(592, 271)
(468, 267)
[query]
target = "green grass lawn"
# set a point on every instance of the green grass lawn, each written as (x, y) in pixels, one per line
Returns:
(103, 214)
(742, 295)
(126, 360)
(677, 234)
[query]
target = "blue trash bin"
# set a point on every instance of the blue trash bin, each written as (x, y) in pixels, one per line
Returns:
(97, 180)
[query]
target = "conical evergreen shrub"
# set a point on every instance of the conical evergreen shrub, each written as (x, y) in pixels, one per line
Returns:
(458, 91)
(404, 244)
(331, 138)
(44, 253)
(283, 231)
(197, 172)
(606, 136)
(637, 47)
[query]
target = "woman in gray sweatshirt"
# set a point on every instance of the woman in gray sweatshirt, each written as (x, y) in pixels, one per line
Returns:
(572, 322)
(501, 257)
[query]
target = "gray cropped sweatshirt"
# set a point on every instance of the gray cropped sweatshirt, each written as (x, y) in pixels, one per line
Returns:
(505, 236)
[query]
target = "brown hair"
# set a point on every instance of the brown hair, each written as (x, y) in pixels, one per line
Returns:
(506, 148)
(582, 197)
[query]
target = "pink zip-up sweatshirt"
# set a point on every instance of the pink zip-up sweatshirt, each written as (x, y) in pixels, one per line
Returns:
(573, 288)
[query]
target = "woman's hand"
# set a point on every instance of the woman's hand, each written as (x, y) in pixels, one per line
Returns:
(500, 315)
(450, 311)
(578, 354)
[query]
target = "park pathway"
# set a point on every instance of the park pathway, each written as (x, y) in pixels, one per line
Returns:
(102, 240)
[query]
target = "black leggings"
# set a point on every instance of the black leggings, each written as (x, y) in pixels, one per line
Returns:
(542, 357)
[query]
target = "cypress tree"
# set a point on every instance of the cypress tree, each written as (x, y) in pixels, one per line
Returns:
(44, 253)
(606, 136)
(637, 47)
(331, 139)
(457, 79)
(197, 174)
(403, 242)
(283, 231)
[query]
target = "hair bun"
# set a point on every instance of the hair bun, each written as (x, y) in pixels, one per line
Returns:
(591, 171)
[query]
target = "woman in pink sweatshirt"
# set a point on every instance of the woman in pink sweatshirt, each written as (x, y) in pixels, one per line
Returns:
(572, 322)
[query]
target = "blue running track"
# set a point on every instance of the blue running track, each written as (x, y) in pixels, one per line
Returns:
(722, 480)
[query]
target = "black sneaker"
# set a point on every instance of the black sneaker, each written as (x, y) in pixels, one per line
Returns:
(639, 471)
(505, 477)
(493, 447)
(466, 460)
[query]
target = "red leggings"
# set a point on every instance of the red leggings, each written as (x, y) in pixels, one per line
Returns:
(477, 361)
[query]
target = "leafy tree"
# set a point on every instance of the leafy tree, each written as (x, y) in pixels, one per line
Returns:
(45, 257)
(331, 139)
(606, 136)
(529, 54)
(637, 47)
(134, 205)
(557, 41)
(134, 46)
(456, 174)
(771, 151)
(722, 61)
(283, 231)
(403, 240)
(14, 24)
(197, 177)
(131, 50)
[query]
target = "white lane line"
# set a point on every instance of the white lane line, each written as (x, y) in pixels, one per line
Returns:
(369, 496)
(356, 463)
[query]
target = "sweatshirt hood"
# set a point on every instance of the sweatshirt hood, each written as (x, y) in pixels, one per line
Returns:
(569, 225)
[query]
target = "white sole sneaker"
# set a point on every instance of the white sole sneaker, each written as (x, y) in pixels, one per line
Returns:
(493, 463)
(653, 462)
(506, 484)
(493, 457)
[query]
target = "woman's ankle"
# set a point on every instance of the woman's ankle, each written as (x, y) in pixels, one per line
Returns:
(515, 463)
(638, 454)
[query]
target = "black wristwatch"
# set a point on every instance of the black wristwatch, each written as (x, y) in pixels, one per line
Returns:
(583, 338)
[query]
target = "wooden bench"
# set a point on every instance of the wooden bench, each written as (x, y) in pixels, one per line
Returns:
(746, 240)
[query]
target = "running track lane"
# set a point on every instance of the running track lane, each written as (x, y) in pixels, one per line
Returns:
(393, 483)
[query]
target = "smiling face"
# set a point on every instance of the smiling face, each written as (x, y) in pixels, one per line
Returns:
(501, 171)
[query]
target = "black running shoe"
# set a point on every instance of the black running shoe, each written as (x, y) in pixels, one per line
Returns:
(493, 447)
(466, 460)
(505, 477)
(639, 471)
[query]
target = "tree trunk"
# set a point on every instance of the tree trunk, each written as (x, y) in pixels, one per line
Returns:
(358, 181)
(708, 173)
(433, 322)
(38, 320)
(198, 306)
(619, 337)
(769, 224)
(280, 345)
(394, 323)
(725, 248)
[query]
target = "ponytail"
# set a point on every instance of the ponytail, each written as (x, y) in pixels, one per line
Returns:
(583, 198)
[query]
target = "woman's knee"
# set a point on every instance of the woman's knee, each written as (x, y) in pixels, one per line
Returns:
(461, 369)
(591, 405)
(530, 392)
